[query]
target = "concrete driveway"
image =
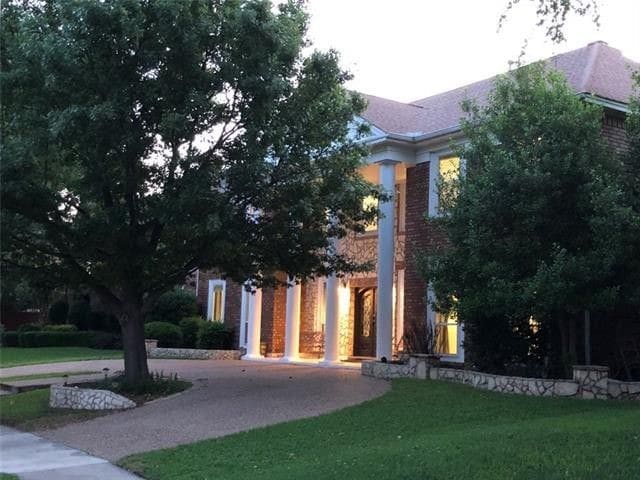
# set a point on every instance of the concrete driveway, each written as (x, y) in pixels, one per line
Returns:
(226, 397)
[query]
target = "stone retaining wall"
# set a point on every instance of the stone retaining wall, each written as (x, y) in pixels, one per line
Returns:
(87, 399)
(588, 381)
(194, 354)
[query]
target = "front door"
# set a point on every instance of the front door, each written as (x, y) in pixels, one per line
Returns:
(364, 341)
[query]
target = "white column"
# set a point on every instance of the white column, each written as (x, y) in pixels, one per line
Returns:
(386, 260)
(332, 322)
(253, 332)
(292, 322)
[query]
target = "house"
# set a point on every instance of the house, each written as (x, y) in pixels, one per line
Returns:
(365, 315)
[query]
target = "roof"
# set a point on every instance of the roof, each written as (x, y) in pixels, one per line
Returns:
(597, 69)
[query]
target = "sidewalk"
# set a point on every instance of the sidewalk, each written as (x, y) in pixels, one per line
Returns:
(34, 458)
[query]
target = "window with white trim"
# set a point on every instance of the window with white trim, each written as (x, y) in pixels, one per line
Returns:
(444, 172)
(215, 307)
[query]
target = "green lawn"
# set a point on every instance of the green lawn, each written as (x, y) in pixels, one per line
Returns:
(424, 430)
(13, 356)
(31, 411)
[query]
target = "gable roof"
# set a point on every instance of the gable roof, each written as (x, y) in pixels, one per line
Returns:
(597, 69)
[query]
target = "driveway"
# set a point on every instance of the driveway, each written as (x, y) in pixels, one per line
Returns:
(226, 397)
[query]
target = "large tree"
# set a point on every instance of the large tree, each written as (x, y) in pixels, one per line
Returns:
(145, 138)
(530, 223)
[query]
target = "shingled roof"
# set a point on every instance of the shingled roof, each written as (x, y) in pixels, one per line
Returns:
(596, 69)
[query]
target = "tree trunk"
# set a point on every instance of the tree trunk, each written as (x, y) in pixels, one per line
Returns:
(135, 353)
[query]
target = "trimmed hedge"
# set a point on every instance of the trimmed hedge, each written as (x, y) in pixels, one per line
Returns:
(214, 336)
(10, 339)
(173, 306)
(190, 327)
(61, 339)
(60, 328)
(167, 334)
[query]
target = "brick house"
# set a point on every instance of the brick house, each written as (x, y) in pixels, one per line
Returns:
(365, 315)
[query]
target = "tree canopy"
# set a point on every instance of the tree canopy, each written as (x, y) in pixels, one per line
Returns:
(144, 138)
(532, 227)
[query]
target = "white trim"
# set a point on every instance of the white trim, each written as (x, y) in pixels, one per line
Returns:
(212, 284)
(431, 318)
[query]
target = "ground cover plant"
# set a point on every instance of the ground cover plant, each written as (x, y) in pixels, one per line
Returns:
(13, 356)
(427, 430)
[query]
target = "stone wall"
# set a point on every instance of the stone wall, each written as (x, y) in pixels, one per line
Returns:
(588, 382)
(194, 354)
(87, 399)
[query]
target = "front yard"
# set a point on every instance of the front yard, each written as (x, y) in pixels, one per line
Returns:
(425, 430)
(14, 356)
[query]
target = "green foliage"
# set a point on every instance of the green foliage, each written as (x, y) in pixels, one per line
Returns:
(190, 327)
(173, 306)
(29, 327)
(60, 328)
(105, 181)
(214, 335)
(531, 228)
(9, 339)
(80, 314)
(58, 312)
(104, 340)
(103, 322)
(167, 334)
(54, 339)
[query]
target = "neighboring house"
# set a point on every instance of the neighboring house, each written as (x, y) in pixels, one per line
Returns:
(365, 315)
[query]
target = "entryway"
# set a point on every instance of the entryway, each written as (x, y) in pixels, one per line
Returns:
(364, 325)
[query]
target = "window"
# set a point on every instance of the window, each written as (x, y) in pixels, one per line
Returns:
(370, 202)
(444, 171)
(446, 334)
(215, 309)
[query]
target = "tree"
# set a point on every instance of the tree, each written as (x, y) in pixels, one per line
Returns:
(143, 139)
(529, 225)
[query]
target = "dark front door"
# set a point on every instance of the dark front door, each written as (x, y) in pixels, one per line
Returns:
(364, 341)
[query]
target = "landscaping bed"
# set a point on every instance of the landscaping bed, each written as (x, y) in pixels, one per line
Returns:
(423, 429)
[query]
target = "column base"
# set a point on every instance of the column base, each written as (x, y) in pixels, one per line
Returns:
(252, 356)
(329, 363)
(289, 359)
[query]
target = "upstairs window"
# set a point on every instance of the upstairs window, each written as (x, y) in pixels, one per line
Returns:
(370, 202)
(444, 172)
(215, 310)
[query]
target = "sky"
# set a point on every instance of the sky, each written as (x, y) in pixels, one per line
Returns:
(410, 49)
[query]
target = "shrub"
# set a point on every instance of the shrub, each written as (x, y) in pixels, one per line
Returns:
(173, 306)
(214, 335)
(58, 312)
(29, 327)
(60, 328)
(79, 314)
(105, 340)
(103, 322)
(9, 339)
(54, 339)
(167, 334)
(190, 327)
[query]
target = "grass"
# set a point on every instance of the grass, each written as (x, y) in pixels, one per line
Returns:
(38, 376)
(8, 476)
(15, 356)
(425, 430)
(30, 411)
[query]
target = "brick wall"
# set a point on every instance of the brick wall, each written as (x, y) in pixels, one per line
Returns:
(272, 328)
(416, 231)
(614, 132)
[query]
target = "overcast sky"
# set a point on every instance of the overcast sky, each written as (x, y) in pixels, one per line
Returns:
(410, 49)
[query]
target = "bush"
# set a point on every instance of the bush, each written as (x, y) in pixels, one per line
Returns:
(173, 306)
(58, 312)
(167, 334)
(190, 327)
(105, 340)
(214, 335)
(80, 314)
(54, 339)
(9, 339)
(29, 327)
(103, 322)
(59, 328)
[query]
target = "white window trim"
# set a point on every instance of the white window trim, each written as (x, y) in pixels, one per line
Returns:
(244, 316)
(434, 178)
(212, 285)
(431, 318)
